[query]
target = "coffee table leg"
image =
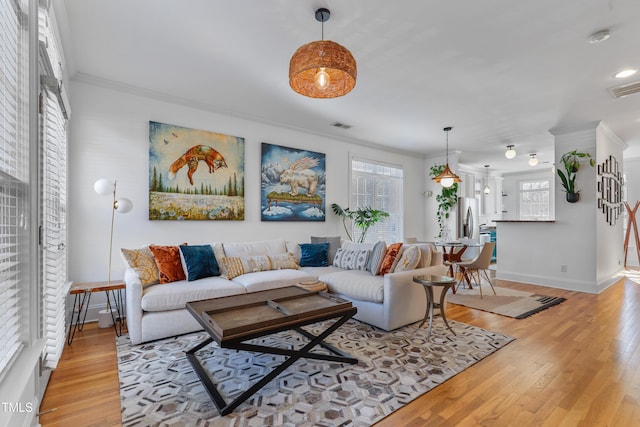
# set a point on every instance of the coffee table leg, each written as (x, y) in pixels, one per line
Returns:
(226, 408)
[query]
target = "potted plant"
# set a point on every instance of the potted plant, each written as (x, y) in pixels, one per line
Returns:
(447, 199)
(571, 163)
(363, 218)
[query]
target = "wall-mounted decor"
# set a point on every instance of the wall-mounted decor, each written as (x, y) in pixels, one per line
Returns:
(195, 174)
(293, 184)
(610, 183)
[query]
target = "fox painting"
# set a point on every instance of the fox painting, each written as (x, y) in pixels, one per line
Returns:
(192, 158)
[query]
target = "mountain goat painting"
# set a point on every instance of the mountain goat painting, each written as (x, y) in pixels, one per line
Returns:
(293, 184)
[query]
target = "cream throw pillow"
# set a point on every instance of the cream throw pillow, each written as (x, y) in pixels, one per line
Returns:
(236, 266)
(408, 260)
(142, 262)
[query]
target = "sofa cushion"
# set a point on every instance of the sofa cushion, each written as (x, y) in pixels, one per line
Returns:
(352, 259)
(199, 261)
(168, 262)
(142, 262)
(377, 255)
(261, 247)
(272, 279)
(314, 254)
(236, 266)
(389, 258)
(408, 259)
(334, 245)
(318, 271)
(357, 284)
(162, 298)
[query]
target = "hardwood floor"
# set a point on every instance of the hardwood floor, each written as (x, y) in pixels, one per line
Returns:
(576, 364)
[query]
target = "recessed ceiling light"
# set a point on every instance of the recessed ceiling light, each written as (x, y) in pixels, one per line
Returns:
(599, 36)
(625, 73)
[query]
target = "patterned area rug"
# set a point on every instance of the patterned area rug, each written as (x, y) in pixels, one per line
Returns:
(159, 388)
(507, 302)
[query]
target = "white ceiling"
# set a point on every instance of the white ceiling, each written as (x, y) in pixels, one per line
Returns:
(499, 71)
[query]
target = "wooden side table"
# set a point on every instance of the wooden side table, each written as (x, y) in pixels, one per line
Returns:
(82, 296)
(428, 281)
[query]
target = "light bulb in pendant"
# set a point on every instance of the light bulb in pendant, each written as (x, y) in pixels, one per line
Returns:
(446, 182)
(322, 79)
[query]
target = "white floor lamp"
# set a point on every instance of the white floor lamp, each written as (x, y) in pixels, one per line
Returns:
(105, 187)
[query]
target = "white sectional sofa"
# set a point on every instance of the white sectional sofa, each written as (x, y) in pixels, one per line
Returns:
(387, 301)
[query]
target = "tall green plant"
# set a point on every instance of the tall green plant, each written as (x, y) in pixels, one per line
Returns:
(363, 218)
(447, 198)
(571, 163)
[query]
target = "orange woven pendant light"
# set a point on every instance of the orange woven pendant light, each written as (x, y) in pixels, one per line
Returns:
(322, 69)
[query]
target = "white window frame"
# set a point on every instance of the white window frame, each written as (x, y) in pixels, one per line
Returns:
(549, 191)
(391, 229)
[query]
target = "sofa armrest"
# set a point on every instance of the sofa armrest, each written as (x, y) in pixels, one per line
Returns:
(403, 297)
(437, 258)
(133, 301)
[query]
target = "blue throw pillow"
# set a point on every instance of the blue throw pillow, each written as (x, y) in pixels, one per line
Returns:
(314, 254)
(199, 262)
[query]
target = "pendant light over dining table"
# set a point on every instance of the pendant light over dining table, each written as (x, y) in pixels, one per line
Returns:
(322, 69)
(447, 178)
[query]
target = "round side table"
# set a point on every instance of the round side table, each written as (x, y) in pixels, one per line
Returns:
(428, 281)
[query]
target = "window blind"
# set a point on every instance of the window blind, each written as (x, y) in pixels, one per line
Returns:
(53, 185)
(379, 186)
(14, 184)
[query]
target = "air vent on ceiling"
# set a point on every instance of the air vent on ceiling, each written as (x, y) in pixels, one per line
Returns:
(625, 89)
(340, 125)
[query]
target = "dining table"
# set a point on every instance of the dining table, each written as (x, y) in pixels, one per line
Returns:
(452, 253)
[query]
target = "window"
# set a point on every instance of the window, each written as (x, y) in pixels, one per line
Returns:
(534, 199)
(379, 186)
(15, 253)
(53, 196)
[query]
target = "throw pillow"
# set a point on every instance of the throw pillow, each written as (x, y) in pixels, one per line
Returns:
(408, 260)
(389, 258)
(141, 261)
(314, 254)
(377, 255)
(169, 264)
(352, 259)
(334, 245)
(199, 262)
(236, 266)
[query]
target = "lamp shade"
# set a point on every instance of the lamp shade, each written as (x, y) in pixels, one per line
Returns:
(123, 205)
(104, 186)
(322, 69)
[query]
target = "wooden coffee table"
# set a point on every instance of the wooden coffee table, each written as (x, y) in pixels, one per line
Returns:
(231, 321)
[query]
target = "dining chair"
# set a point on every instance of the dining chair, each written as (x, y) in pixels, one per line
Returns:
(478, 267)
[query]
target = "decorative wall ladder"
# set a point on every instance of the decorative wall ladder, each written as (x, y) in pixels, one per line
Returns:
(631, 224)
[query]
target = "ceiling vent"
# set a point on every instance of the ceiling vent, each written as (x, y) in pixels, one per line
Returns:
(340, 125)
(625, 89)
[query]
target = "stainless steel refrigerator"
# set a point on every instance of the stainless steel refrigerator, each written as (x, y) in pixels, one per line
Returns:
(468, 218)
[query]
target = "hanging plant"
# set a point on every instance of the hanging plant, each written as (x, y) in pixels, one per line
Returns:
(447, 198)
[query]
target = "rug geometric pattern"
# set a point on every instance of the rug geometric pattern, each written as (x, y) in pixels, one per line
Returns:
(158, 386)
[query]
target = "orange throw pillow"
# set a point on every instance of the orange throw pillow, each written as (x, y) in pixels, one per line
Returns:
(168, 262)
(389, 258)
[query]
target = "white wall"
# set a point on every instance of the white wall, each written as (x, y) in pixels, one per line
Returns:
(109, 139)
(576, 251)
